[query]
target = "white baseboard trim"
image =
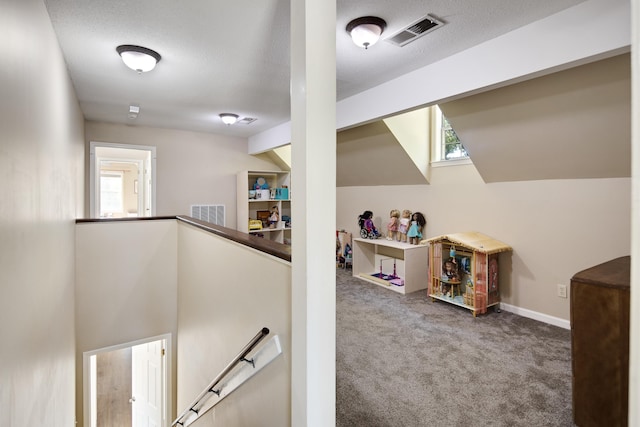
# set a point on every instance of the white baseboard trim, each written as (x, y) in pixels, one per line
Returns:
(556, 321)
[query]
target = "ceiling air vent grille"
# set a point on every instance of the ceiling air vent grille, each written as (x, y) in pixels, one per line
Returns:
(414, 31)
(247, 120)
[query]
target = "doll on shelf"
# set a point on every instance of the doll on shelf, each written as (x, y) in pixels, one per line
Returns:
(394, 224)
(274, 217)
(367, 228)
(404, 225)
(418, 222)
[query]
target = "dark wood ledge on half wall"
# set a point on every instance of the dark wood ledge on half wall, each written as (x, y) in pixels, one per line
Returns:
(270, 247)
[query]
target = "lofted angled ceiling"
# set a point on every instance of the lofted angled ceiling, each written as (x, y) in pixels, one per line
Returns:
(571, 124)
(220, 56)
(370, 155)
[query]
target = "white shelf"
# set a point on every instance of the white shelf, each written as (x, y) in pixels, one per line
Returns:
(380, 282)
(269, 230)
(411, 263)
(247, 208)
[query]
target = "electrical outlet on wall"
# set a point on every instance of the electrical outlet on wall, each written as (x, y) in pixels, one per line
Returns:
(562, 290)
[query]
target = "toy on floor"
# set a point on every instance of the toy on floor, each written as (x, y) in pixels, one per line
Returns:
(393, 225)
(367, 229)
(389, 279)
(404, 225)
(348, 256)
(344, 253)
(414, 234)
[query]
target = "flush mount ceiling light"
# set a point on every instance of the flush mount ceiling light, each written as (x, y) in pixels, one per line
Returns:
(228, 118)
(138, 58)
(366, 31)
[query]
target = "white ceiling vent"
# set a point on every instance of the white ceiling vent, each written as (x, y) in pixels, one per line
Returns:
(247, 120)
(414, 30)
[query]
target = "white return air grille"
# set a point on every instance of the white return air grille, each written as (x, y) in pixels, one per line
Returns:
(210, 213)
(414, 31)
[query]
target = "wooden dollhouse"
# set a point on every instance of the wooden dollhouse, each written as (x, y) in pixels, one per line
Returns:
(463, 270)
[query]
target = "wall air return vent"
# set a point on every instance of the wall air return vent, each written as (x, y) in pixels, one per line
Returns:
(209, 213)
(414, 31)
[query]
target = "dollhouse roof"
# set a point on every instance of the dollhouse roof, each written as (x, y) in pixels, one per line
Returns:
(473, 240)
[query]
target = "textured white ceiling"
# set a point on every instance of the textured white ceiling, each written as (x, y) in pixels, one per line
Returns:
(220, 56)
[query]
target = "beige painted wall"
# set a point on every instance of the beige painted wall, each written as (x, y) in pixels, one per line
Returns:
(191, 167)
(41, 169)
(227, 294)
(556, 227)
(126, 286)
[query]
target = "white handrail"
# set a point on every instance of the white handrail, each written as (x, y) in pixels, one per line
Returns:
(199, 406)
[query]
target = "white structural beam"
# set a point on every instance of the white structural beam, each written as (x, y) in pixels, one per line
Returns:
(313, 180)
(560, 41)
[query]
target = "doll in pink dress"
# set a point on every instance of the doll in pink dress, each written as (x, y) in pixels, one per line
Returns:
(394, 224)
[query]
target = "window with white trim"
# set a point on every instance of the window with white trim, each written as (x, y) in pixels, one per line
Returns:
(111, 192)
(446, 144)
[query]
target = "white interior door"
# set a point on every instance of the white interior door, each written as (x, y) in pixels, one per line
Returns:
(155, 389)
(147, 180)
(147, 387)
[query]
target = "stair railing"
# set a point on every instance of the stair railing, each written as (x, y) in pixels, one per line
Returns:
(218, 389)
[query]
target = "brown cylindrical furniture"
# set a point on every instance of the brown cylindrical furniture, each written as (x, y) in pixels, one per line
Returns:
(600, 300)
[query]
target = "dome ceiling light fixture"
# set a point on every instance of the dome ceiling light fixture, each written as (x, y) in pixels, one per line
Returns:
(366, 31)
(228, 118)
(138, 58)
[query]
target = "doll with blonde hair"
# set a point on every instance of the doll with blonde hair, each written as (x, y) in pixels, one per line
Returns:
(393, 225)
(404, 225)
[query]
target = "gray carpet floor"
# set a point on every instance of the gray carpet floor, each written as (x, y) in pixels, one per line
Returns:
(403, 360)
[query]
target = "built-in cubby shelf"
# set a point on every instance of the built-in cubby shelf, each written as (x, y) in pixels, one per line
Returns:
(391, 258)
(253, 204)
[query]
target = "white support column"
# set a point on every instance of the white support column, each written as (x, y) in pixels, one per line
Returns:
(634, 347)
(313, 177)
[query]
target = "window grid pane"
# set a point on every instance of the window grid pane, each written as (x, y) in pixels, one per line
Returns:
(111, 197)
(452, 148)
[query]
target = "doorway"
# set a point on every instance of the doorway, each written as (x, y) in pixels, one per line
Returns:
(121, 180)
(128, 385)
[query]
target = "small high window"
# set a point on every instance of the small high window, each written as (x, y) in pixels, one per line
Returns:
(447, 146)
(451, 145)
